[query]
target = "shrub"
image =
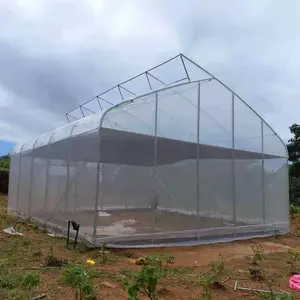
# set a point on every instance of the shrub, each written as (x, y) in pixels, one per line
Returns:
(293, 260)
(81, 279)
(254, 262)
(213, 279)
(144, 282)
(294, 210)
(155, 269)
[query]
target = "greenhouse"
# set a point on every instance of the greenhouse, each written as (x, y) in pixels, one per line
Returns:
(183, 163)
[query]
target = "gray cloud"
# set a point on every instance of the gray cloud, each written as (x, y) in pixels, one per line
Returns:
(55, 55)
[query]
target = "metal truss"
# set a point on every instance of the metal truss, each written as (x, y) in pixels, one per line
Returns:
(150, 78)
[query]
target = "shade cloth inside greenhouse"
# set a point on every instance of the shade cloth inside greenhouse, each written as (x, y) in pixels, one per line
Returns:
(127, 148)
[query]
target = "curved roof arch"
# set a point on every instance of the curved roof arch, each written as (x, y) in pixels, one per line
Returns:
(94, 121)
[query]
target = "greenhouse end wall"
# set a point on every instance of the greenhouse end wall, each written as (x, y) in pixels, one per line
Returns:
(188, 164)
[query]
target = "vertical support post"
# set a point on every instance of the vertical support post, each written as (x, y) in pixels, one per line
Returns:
(154, 194)
(233, 165)
(102, 184)
(198, 162)
(68, 173)
(97, 189)
(68, 185)
(263, 173)
(31, 177)
(75, 190)
(30, 186)
(47, 186)
(19, 177)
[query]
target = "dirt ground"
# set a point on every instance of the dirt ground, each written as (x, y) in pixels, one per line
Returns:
(27, 253)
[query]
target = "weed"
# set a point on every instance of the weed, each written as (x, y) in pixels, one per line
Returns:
(128, 254)
(293, 260)
(10, 281)
(52, 261)
(80, 279)
(254, 261)
(31, 281)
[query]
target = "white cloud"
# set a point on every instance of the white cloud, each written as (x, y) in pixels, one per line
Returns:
(57, 54)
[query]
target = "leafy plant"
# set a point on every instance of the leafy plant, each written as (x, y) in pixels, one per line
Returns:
(205, 281)
(144, 282)
(162, 262)
(80, 279)
(294, 210)
(155, 269)
(254, 262)
(213, 279)
(293, 260)
(31, 281)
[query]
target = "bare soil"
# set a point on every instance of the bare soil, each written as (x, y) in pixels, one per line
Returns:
(27, 254)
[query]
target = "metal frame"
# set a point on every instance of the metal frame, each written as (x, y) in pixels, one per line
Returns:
(183, 59)
(148, 76)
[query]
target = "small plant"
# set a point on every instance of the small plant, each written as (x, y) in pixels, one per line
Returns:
(144, 282)
(205, 281)
(213, 279)
(128, 254)
(167, 261)
(31, 281)
(294, 210)
(254, 262)
(162, 262)
(81, 279)
(293, 260)
(102, 253)
(52, 261)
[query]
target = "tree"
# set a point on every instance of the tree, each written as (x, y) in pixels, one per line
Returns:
(4, 173)
(294, 168)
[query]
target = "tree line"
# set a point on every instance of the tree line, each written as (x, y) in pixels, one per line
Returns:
(4, 173)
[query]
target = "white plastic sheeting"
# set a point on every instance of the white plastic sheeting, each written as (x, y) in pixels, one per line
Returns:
(187, 162)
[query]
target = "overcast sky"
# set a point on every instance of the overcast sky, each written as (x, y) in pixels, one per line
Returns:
(55, 55)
